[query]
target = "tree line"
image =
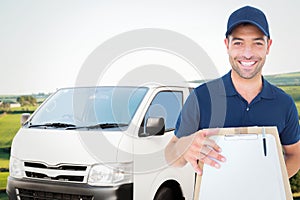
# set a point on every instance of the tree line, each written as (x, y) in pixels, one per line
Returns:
(27, 100)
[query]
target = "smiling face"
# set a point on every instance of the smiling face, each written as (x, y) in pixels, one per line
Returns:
(247, 48)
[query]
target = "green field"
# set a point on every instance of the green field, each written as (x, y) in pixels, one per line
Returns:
(10, 124)
(4, 156)
(3, 196)
(3, 179)
(284, 79)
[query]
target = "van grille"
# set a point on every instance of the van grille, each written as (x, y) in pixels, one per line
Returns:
(60, 167)
(58, 178)
(61, 173)
(24, 194)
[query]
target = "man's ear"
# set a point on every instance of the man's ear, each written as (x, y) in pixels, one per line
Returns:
(226, 41)
(270, 41)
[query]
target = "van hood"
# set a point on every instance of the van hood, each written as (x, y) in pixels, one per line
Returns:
(55, 146)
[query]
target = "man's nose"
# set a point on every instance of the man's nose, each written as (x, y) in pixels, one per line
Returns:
(248, 52)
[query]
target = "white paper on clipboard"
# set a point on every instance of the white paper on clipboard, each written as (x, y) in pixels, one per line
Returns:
(247, 174)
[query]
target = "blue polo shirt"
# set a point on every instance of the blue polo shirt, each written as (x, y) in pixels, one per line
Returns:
(218, 104)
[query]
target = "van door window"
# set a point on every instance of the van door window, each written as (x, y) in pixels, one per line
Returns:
(166, 105)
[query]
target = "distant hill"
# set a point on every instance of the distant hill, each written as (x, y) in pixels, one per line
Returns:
(40, 97)
(286, 79)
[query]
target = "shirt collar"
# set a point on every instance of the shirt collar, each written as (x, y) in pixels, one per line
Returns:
(230, 90)
(266, 92)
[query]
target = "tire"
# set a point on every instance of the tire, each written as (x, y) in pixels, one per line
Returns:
(165, 193)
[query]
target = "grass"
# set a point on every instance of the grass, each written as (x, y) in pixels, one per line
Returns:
(3, 196)
(298, 106)
(3, 179)
(24, 109)
(4, 163)
(10, 124)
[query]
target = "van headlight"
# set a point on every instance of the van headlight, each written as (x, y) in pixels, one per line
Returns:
(16, 168)
(110, 174)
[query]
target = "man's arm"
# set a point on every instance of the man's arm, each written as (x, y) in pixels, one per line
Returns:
(192, 148)
(292, 158)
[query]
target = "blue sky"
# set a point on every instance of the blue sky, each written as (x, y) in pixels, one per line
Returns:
(45, 43)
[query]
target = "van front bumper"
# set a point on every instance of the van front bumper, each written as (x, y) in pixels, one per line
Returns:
(42, 190)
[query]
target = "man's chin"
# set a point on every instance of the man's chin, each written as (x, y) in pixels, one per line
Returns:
(247, 74)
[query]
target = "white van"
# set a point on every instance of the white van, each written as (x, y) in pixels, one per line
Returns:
(100, 143)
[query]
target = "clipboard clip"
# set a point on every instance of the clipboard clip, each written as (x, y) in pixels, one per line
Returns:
(264, 141)
(241, 136)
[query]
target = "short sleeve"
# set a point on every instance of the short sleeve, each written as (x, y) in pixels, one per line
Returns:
(291, 132)
(188, 120)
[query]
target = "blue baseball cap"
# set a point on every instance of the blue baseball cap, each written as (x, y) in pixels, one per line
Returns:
(250, 15)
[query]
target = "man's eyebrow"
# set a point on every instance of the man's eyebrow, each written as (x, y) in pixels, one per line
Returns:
(255, 39)
(236, 38)
(259, 38)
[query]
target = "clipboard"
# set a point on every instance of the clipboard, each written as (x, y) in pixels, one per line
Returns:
(255, 169)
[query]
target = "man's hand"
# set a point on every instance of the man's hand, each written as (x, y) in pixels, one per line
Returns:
(203, 149)
(194, 148)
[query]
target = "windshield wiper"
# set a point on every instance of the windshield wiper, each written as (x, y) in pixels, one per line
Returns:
(56, 125)
(97, 126)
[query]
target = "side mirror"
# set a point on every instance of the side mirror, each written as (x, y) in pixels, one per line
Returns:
(155, 126)
(24, 118)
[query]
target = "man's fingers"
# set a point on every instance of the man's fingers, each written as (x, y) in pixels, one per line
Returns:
(209, 161)
(210, 132)
(202, 138)
(206, 151)
(211, 143)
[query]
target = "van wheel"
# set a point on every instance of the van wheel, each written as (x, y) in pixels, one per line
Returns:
(165, 193)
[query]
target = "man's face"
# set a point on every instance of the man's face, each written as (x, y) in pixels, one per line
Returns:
(247, 48)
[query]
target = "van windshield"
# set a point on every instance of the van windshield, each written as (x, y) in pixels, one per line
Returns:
(87, 107)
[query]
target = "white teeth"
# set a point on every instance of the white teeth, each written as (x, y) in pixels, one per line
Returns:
(247, 64)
